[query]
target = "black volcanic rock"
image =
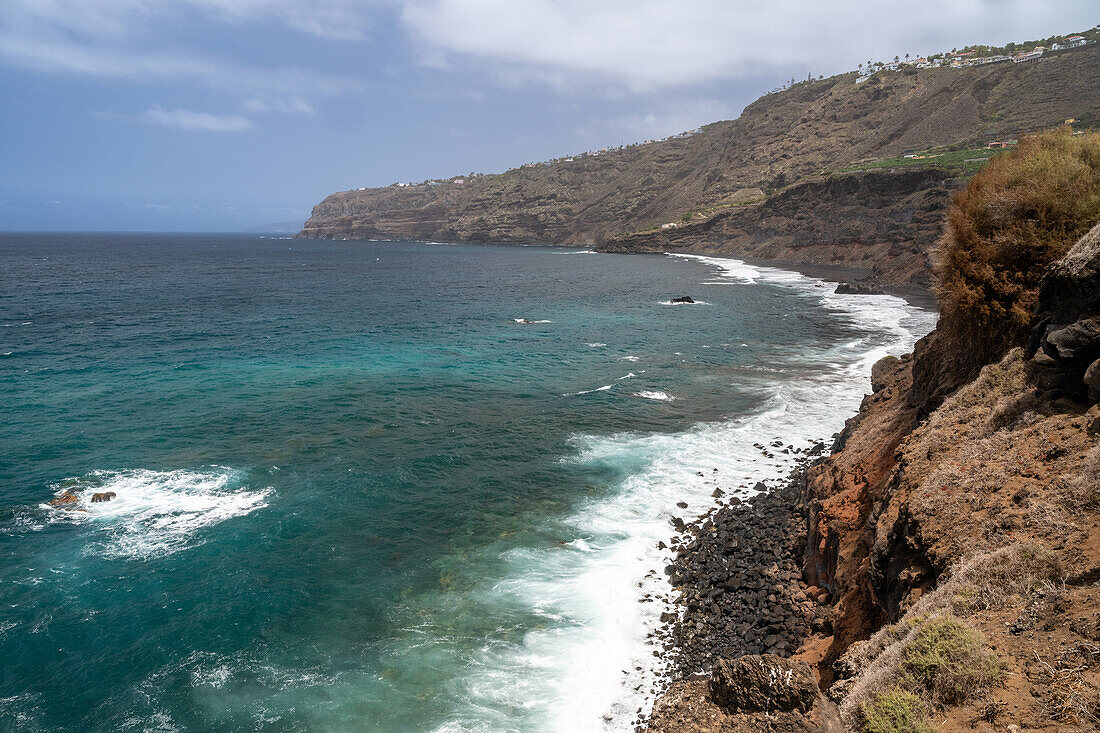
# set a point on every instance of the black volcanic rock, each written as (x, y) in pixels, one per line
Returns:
(1066, 340)
(857, 288)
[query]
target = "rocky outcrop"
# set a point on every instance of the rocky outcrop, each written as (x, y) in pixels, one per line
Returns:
(1066, 341)
(841, 496)
(763, 683)
(66, 500)
(102, 496)
(748, 695)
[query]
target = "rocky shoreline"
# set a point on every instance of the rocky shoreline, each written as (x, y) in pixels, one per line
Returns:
(949, 520)
(738, 590)
(738, 573)
(741, 610)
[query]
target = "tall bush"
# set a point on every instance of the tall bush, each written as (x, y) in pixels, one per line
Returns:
(1021, 213)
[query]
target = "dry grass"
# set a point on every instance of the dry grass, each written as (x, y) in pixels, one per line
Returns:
(1070, 697)
(998, 398)
(993, 580)
(1020, 214)
(1081, 493)
(932, 652)
(995, 464)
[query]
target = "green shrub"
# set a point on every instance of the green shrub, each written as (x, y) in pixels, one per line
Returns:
(1020, 214)
(896, 711)
(951, 661)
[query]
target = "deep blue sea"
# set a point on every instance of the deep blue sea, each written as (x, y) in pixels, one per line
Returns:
(368, 486)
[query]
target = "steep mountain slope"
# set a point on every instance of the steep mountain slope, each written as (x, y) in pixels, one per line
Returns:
(781, 139)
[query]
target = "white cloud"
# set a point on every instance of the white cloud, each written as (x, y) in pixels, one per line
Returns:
(670, 118)
(185, 119)
(286, 104)
(337, 19)
(63, 56)
(647, 45)
(133, 40)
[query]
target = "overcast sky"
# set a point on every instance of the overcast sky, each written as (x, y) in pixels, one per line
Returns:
(224, 114)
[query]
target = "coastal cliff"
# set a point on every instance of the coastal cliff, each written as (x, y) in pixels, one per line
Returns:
(949, 546)
(882, 221)
(742, 187)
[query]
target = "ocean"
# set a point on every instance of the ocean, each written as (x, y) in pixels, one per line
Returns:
(380, 486)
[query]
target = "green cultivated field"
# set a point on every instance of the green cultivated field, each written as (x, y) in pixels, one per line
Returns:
(969, 160)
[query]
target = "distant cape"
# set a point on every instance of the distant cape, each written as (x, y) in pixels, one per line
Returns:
(280, 227)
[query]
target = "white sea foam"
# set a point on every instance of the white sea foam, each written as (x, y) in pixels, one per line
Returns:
(526, 321)
(595, 345)
(694, 302)
(590, 391)
(591, 665)
(655, 395)
(156, 513)
(628, 358)
(577, 252)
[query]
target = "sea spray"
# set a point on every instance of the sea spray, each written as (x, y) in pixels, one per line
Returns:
(599, 663)
(448, 542)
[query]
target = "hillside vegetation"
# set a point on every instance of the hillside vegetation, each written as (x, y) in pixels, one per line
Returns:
(1013, 220)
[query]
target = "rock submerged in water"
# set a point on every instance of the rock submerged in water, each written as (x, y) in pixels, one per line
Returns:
(858, 288)
(67, 500)
(682, 299)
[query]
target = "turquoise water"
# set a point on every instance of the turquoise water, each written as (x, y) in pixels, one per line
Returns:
(354, 492)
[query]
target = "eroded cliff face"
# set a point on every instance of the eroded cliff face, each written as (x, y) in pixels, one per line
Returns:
(779, 140)
(1007, 467)
(883, 221)
(953, 550)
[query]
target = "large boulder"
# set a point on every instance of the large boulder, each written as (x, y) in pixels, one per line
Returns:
(67, 501)
(101, 496)
(689, 706)
(1092, 381)
(1077, 341)
(1066, 339)
(763, 683)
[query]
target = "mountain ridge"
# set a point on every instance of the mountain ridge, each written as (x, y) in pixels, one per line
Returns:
(618, 200)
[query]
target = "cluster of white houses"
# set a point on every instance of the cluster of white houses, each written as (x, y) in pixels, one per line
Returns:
(958, 60)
